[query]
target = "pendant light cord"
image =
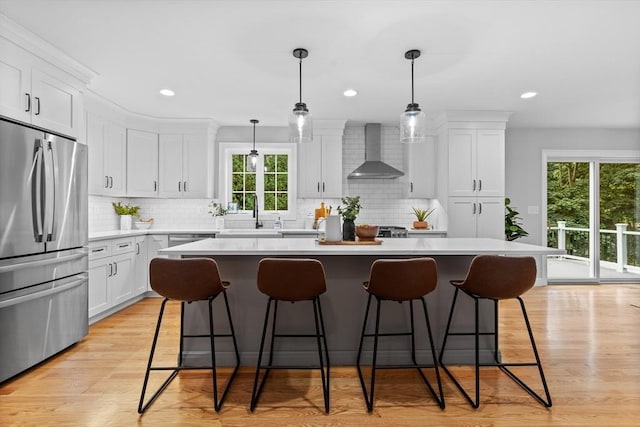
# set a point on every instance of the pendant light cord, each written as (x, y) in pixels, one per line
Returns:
(254, 136)
(412, 81)
(300, 62)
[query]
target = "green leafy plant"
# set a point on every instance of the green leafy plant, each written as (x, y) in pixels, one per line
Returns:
(351, 208)
(126, 209)
(422, 214)
(512, 229)
(216, 209)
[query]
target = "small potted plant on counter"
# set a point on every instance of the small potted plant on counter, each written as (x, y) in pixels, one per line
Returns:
(349, 212)
(126, 212)
(218, 212)
(421, 218)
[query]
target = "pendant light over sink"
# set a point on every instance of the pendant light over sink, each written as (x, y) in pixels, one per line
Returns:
(252, 158)
(300, 121)
(412, 121)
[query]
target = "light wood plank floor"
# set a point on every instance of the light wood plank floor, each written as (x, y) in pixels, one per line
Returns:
(587, 336)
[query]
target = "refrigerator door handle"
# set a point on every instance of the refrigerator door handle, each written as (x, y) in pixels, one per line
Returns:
(41, 263)
(36, 191)
(56, 290)
(50, 193)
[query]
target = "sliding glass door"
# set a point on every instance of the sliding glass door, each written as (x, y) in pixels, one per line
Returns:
(593, 213)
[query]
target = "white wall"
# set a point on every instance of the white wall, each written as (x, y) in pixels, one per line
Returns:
(524, 164)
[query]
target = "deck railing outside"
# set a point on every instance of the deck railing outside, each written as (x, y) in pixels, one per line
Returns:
(575, 240)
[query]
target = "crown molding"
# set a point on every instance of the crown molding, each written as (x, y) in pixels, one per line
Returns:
(27, 40)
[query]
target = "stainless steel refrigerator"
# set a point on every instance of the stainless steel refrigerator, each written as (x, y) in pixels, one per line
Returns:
(43, 245)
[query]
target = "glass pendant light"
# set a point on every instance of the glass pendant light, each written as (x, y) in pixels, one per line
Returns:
(252, 158)
(300, 120)
(412, 121)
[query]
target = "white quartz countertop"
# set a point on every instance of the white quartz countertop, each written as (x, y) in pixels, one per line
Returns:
(114, 234)
(406, 246)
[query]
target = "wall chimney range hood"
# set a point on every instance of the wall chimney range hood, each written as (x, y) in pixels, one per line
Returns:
(373, 166)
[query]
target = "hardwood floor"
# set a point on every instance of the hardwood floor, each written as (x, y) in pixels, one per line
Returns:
(587, 337)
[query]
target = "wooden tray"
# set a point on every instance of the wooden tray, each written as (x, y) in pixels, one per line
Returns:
(349, 242)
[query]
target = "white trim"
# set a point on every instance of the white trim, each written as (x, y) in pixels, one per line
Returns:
(226, 149)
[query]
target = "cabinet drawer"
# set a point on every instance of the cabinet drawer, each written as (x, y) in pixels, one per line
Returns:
(100, 249)
(123, 246)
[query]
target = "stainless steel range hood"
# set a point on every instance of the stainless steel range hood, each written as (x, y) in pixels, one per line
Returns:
(373, 166)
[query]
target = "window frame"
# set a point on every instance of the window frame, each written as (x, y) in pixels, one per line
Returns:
(225, 167)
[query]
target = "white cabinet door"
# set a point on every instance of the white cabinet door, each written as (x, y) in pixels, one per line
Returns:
(462, 162)
(420, 169)
(156, 242)
(310, 169)
(54, 103)
(122, 280)
(490, 218)
(98, 178)
(142, 265)
(462, 217)
(331, 183)
(170, 168)
(490, 158)
(142, 163)
(115, 158)
(15, 82)
(99, 298)
(320, 167)
(195, 160)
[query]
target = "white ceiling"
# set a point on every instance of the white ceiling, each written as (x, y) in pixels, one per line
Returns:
(231, 60)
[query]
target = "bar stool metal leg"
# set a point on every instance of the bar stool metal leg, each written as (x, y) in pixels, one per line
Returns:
(255, 393)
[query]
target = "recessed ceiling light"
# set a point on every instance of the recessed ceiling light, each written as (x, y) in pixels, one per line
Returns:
(350, 92)
(528, 95)
(167, 92)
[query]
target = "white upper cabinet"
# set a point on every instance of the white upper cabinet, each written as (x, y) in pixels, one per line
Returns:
(142, 163)
(35, 92)
(183, 165)
(420, 169)
(107, 156)
(476, 162)
(320, 167)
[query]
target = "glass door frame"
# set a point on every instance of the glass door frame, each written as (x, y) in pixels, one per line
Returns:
(594, 158)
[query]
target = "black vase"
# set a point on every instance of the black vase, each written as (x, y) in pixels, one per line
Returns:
(349, 230)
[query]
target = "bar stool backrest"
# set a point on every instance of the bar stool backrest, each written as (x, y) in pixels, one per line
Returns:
(191, 279)
(402, 279)
(500, 277)
(291, 279)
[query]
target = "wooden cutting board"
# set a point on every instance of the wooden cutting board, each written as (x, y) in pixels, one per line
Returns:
(349, 242)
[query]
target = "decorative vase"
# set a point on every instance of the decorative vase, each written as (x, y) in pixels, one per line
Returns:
(125, 222)
(348, 230)
(420, 225)
(219, 222)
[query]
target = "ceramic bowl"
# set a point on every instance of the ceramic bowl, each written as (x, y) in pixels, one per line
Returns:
(143, 225)
(366, 232)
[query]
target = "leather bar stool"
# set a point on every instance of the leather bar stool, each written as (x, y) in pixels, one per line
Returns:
(400, 280)
(188, 280)
(292, 280)
(496, 278)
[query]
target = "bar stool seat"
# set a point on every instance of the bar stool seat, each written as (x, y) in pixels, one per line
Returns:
(496, 278)
(188, 280)
(292, 280)
(400, 280)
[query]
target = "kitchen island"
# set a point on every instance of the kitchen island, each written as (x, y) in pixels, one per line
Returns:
(346, 267)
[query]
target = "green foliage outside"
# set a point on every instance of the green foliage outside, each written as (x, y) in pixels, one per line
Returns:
(276, 182)
(568, 200)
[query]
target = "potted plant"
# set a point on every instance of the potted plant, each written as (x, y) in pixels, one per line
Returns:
(349, 212)
(126, 212)
(421, 218)
(218, 212)
(512, 230)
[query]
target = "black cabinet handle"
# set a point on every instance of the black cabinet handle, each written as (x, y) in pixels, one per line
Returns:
(323, 186)
(106, 181)
(412, 187)
(179, 186)
(184, 186)
(28, 103)
(38, 104)
(155, 185)
(110, 270)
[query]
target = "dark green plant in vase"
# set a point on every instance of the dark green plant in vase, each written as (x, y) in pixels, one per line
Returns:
(512, 229)
(349, 212)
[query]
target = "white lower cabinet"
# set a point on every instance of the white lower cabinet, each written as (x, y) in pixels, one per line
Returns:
(476, 217)
(142, 265)
(112, 278)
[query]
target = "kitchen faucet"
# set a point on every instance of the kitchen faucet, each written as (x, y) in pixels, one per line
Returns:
(255, 210)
